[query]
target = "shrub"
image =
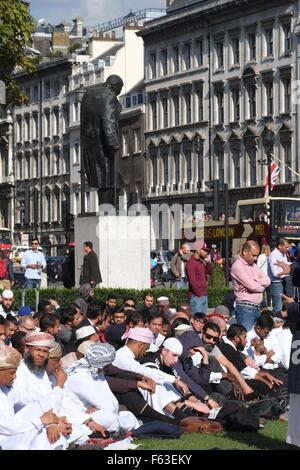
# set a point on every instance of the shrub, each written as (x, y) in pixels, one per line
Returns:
(66, 296)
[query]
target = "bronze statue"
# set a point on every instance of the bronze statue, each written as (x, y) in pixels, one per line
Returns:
(100, 111)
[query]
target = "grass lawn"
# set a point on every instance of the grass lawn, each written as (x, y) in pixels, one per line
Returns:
(271, 437)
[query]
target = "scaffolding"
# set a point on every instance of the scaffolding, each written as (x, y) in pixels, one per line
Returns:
(132, 17)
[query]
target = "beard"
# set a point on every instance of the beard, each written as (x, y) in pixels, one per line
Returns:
(240, 347)
(208, 347)
(35, 369)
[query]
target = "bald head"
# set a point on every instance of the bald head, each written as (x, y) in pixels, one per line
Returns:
(250, 251)
(116, 83)
(221, 324)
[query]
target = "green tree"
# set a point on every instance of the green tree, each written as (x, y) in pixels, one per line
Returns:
(16, 27)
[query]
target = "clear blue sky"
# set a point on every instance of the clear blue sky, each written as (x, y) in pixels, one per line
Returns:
(93, 11)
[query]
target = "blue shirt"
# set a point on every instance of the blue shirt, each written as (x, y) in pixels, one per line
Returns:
(33, 257)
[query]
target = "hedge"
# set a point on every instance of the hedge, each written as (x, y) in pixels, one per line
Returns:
(66, 296)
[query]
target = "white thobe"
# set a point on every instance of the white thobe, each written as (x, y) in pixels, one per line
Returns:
(82, 391)
(157, 342)
(271, 343)
(32, 385)
(284, 338)
(125, 360)
(23, 430)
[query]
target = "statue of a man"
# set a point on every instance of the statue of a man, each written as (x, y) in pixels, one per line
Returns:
(100, 111)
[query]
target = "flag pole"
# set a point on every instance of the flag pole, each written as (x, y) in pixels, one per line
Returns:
(282, 163)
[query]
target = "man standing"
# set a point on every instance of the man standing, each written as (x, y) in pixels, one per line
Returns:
(197, 270)
(178, 264)
(249, 283)
(90, 268)
(33, 262)
(275, 272)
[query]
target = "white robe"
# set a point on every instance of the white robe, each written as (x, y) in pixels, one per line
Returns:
(83, 391)
(24, 430)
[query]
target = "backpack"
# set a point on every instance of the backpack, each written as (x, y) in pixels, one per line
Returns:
(3, 268)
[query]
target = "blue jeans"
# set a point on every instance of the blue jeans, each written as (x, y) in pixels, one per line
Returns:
(181, 283)
(276, 291)
(246, 315)
(199, 304)
(32, 283)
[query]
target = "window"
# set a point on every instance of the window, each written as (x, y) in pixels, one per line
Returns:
(20, 133)
(237, 171)
(56, 205)
(220, 55)
(269, 41)
(188, 158)
(35, 93)
(66, 159)
(287, 37)
(252, 45)
(56, 121)
(20, 172)
(286, 82)
(137, 140)
(154, 114)
(47, 162)
(47, 123)
(35, 118)
(125, 143)
(47, 92)
(176, 171)
(76, 111)
(176, 109)
(66, 117)
(27, 127)
(236, 103)
(188, 108)
(164, 62)
(56, 88)
(199, 52)
(76, 155)
(154, 166)
(220, 106)
(166, 170)
(153, 65)
(200, 104)
(187, 55)
(287, 158)
(252, 163)
(57, 161)
(165, 112)
(251, 90)
(176, 58)
(269, 97)
(200, 166)
(35, 164)
(236, 50)
(48, 206)
(28, 172)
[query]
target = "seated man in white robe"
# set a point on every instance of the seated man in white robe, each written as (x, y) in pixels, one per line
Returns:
(166, 395)
(88, 399)
(32, 427)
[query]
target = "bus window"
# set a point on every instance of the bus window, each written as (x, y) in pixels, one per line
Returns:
(246, 213)
(260, 213)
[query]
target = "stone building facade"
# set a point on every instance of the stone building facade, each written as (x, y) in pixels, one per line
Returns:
(218, 75)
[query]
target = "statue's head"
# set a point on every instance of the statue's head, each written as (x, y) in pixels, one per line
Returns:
(116, 83)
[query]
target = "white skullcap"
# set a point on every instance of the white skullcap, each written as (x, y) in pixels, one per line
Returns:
(84, 331)
(173, 345)
(163, 300)
(7, 294)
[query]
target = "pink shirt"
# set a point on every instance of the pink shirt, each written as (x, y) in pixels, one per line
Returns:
(248, 281)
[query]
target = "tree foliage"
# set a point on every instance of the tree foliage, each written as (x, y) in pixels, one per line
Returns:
(16, 27)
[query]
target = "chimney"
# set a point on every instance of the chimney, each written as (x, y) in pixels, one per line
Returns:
(78, 26)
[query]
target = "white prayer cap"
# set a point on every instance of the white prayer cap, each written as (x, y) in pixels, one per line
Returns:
(84, 331)
(40, 340)
(10, 358)
(7, 294)
(180, 329)
(163, 300)
(83, 347)
(173, 345)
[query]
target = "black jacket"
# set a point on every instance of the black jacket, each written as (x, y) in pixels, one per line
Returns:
(90, 270)
(294, 370)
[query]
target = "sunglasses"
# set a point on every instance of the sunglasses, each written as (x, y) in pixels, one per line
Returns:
(34, 243)
(213, 338)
